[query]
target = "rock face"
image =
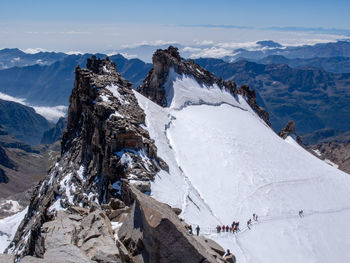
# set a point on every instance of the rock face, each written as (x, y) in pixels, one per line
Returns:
(5, 160)
(152, 232)
(167, 59)
(54, 134)
(336, 152)
(104, 143)
(88, 234)
(289, 130)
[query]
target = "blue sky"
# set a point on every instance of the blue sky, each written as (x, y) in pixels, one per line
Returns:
(56, 24)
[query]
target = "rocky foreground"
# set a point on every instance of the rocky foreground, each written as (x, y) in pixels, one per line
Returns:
(94, 206)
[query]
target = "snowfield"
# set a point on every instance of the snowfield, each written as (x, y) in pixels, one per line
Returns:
(8, 228)
(225, 164)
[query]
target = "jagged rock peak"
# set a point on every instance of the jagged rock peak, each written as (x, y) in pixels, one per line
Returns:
(105, 144)
(167, 59)
(289, 130)
(100, 66)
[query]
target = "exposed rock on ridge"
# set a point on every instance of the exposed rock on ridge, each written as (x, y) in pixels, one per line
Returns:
(289, 130)
(153, 233)
(167, 59)
(104, 143)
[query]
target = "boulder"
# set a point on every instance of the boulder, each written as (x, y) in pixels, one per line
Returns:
(289, 130)
(152, 232)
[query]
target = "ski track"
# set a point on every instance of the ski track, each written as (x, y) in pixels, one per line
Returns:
(278, 183)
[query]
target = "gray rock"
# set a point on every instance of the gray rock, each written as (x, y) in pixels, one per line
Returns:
(6, 258)
(154, 233)
(30, 259)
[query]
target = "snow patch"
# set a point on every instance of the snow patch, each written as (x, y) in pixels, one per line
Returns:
(114, 89)
(8, 228)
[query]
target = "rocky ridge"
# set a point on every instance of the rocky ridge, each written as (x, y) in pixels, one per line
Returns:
(103, 144)
(167, 59)
(76, 211)
(334, 153)
(289, 130)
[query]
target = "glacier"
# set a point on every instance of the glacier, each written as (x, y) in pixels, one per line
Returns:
(225, 164)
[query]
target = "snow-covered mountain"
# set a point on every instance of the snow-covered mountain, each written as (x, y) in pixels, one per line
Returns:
(199, 144)
(225, 164)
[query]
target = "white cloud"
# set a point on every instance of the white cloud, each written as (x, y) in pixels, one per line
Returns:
(191, 49)
(213, 52)
(4, 96)
(34, 50)
(15, 59)
(128, 56)
(150, 43)
(73, 52)
(50, 113)
(203, 42)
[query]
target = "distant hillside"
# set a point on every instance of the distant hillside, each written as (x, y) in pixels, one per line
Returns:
(13, 57)
(332, 49)
(22, 122)
(55, 133)
(313, 98)
(330, 64)
(51, 85)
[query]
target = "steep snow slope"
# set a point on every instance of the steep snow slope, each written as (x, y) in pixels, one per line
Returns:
(8, 228)
(226, 164)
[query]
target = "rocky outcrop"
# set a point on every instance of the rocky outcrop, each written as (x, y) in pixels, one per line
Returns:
(163, 61)
(335, 153)
(289, 130)
(54, 134)
(78, 235)
(167, 59)
(152, 232)
(104, 144)
(250, 97)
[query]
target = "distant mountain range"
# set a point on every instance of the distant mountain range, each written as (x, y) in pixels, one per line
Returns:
(330, 64)
(17, 58)
(313, 98)
(51, 85)
(309, 84)
(336, 49)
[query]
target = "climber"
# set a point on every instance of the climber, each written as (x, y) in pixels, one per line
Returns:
(223, 228)
(237, 226)
(190, 230)
(301, 213)
(227, 228)
(228, 253)
(218, 229)
(197, 229)
(249, 222)
(255, 217)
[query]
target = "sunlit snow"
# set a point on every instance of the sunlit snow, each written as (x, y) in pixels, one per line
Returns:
(225, 164)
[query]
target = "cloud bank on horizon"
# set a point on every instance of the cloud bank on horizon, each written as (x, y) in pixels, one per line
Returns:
(50, 113)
